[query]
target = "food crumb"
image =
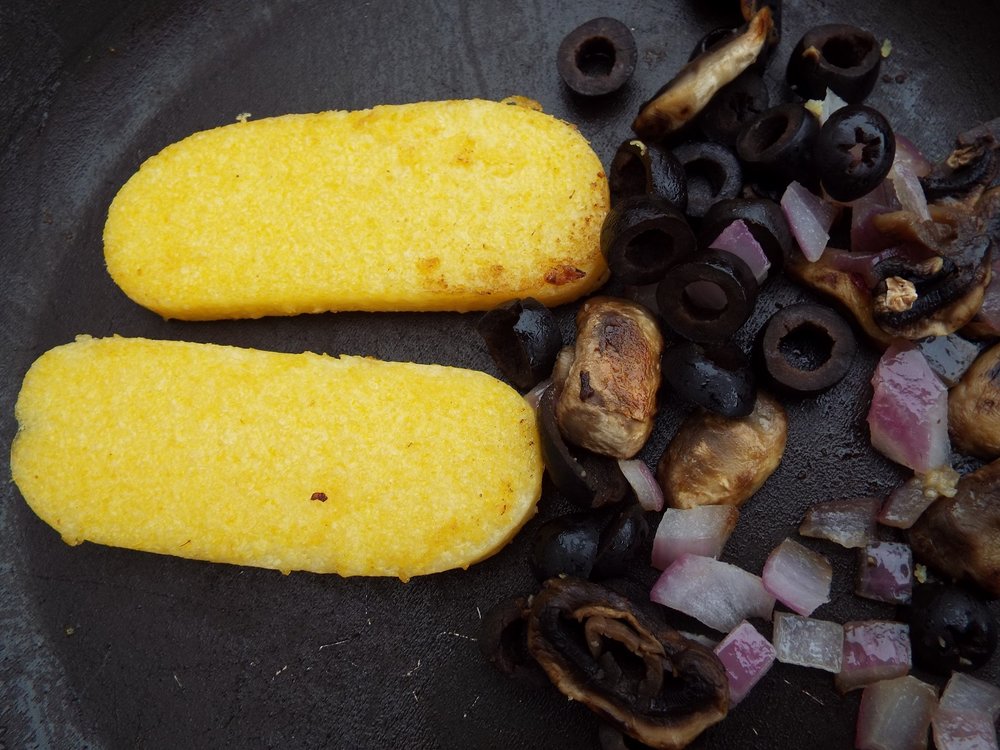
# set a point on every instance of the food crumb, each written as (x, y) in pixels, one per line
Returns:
(69, 630)
(243, 117)
(886, 48)
(920, 573)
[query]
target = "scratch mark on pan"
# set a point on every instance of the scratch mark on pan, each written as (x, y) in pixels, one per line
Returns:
(457, 635)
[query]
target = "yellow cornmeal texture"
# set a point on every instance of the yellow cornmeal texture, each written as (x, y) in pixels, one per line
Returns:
(219, 453)
(455, 205)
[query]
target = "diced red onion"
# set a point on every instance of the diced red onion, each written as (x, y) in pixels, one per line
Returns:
(908, 189)
(715, 593)
(873, 650)
(535, 394)
(738, 240)
(747, 656)
(647, 489)
(963, 730)
(809, 218)
(907, 152)
(849, 523)
(808, 642)
(702, 530)
(967, 714)
(886, 572)
(908, 417)
(906, 503)
(798, 577)
(895, 715)
(865, 237)
(966, 693)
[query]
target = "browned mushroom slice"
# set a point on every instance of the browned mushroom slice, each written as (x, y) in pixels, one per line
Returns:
(974, 407)
(960, 536)
(641, 676)
(715, 460)
(607, 399)
(680, 101)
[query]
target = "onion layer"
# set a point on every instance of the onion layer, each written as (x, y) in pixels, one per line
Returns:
(747, 657)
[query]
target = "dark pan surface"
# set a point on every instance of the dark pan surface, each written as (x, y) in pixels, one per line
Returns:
(109, 648)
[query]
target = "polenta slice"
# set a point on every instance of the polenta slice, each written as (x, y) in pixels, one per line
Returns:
(452, 205)
(339, 465)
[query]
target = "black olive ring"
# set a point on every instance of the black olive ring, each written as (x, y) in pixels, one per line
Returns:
(643, 237)
(598, 57)
(716, 274)
(844, 58)
(777, 146)
(807, 348)
(713, 173)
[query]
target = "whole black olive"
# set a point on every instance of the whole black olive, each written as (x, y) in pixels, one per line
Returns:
(638, 168)
(846, 59)
(778, 145)
(523, 338)
(763, 217)
(643, 236)
(713, 173)
(566, 545)
(716, 377)
(807, 348)
(621, 541)
(854, 151)
(733, 107)
(950, 629)
(708, 299)
(597, 57)
(585, 478)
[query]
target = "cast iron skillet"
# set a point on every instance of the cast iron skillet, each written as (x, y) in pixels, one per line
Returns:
(111, 648)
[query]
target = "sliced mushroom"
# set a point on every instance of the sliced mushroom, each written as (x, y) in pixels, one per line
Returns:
(680, 101)
(607, 401)
(642, 677)
(960, 536)
(714, 460)
(974, 407)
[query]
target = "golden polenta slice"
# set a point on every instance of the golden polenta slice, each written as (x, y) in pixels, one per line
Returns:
(453, 205)
(340, 465)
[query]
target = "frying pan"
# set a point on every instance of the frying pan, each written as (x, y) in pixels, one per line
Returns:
(110, 648)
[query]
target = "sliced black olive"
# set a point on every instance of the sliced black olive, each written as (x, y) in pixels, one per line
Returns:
(846, 59)
(763, 217)
(708, 299)
(566, 545)
(807, 348)
(778, 145)
(523, 338)
(597, 57)
(950, 629)
(854, 151)
(622, 539)
(503, 639)
(717, 377)
(733, 107)
(585, 478)
(639, 675)
(644, 236)
(966, 168)
(713, 173)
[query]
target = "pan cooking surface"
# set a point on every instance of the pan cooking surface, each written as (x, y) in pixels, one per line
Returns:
(111, 648)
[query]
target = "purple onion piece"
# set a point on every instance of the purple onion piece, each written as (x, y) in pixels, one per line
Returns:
(908, 189)
(873, 650)
(908, 417)
(849, 523)
(865, 237)
(810, 218)
(747, 657)
(738, 240)
(895, 715)
(908, 153)
(963, 730)
(703, 530)
(906, 503)
(715, 593)
(965, 693)
(798, 577)
(808, 642)
(885, 572)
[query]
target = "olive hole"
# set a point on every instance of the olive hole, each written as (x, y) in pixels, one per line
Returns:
(806, 347)
(704, 300)
(846, 51)
(705, 173)
(648, 248)
(767, 132)
(596, 57)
